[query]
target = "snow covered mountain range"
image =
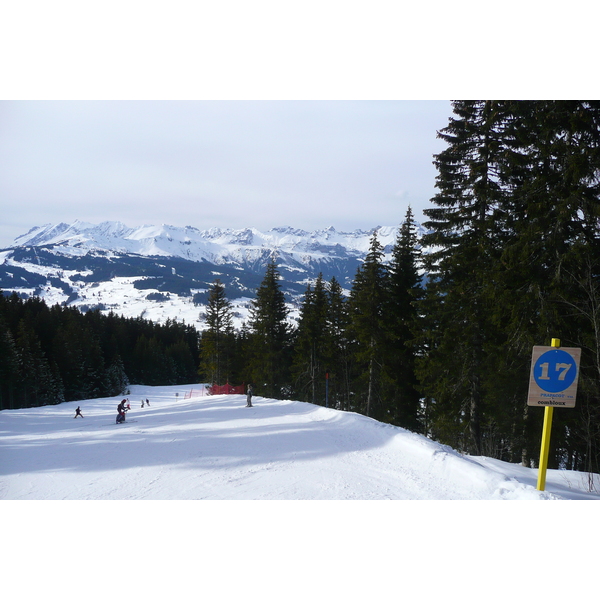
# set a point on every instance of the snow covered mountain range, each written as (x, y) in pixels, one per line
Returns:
(161, 272)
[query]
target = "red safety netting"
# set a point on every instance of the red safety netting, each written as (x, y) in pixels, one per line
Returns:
(215, 389)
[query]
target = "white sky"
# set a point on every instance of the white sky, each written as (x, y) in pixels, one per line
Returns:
(262, 114)
(307, 164)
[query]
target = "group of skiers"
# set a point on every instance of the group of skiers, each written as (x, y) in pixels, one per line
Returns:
(125, 406)
(122, 408)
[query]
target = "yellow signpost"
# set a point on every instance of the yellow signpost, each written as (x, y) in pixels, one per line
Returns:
(552, 382)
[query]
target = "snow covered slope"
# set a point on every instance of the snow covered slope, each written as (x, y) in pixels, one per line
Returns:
(162, 272)
(214, 245)
(214, 448)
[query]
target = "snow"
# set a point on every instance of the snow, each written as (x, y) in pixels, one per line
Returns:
(216, 450)
(215, 245)
(296, 248)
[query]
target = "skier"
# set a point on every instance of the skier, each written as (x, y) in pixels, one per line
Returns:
(147, 402)
(249, 396)
(142, 404)
(78, 413)
(121, 409)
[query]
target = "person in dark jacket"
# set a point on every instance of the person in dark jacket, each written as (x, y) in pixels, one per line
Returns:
(78, 413)
(249, 396)
(121, 409)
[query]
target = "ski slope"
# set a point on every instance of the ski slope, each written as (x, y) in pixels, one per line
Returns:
(290, 462)
(214, 448)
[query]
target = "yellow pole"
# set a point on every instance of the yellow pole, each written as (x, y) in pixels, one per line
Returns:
(548, 413)
(541, 482)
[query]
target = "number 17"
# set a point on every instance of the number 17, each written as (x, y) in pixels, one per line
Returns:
(562, 367)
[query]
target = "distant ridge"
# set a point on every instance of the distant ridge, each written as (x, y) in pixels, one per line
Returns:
(163, 271)
(195, 244)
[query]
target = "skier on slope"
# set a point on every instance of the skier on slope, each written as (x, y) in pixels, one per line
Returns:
(78, 413)
(121, 409)
(249, 396)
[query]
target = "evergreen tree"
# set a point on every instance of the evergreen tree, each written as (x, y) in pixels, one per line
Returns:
(154, 366)
(550, 251)
(515, 224)
(242, 355)
(460, 292)
(367, 327)
(270, 337)
(311, 345)
(36, 382)
(339, 365)
(402, 395)
(9, 361)
(180, 353)
(79, 358)
(117, 382)
(217, 344)
(48, 355)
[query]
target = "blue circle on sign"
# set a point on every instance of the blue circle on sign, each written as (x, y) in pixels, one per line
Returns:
(555, 371)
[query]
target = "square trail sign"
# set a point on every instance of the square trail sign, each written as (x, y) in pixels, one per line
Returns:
(554, 376)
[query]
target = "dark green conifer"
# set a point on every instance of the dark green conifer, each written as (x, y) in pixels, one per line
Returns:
(311, 345)
(339, 364)
(463, 239)
(9, 361)
(402, 323)
(367, 327)
(270, 342)
(217, 342)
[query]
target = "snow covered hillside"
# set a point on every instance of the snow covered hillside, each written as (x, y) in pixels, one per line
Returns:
(165, 272)
(213, 245)
(214, 448)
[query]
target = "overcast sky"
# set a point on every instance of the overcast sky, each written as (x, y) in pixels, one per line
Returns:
(263, 164)
(303, 114)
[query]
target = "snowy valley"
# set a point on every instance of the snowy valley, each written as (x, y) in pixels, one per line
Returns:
(164, 272)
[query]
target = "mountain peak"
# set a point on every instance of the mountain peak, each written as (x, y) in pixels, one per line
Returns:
(162, 270)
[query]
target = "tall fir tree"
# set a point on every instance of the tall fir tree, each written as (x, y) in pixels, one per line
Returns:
(339, 365)
(270, 339)
(550, 254)
(311, 347)
(367, 327)
(515, 225)
(464, 229)
(217, 343)
(402, 323)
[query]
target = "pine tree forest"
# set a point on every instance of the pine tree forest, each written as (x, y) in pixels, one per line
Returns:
(437, 339)
(55, 354)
